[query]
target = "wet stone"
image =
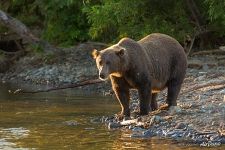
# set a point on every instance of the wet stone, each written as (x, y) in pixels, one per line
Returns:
(222, 91)
(95, 120)
(176, 133)
(138, 129)
(149, 133)
(113, 125)
(136, 135)
(156, 119)
(137, 132)
(159, 132)
(71, 123)
(105, 119)
(174, 110)
(130, 127)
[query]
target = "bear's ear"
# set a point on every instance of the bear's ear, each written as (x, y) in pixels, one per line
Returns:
(95, 53)
(120, 52)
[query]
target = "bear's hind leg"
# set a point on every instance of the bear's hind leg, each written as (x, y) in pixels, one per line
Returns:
(145, 98)
(174, 87)
(154, 104)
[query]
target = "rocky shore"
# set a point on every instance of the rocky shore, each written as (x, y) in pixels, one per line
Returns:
(199, 117)
(76, 64)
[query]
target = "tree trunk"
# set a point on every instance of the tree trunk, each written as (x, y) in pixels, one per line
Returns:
(203, 34)
(22, 30)
(195, 13)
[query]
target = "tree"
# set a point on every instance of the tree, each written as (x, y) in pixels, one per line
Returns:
(18, 27)
(113, 19)
(59, 22)
(69, 21)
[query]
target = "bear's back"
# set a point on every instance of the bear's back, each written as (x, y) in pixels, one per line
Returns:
(165, 53)
(161, 42)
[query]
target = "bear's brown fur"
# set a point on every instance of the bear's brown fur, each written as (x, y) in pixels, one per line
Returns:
(149, 65)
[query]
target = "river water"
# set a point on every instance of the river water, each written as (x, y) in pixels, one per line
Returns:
(65, 119)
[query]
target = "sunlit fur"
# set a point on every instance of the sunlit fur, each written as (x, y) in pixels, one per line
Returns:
(150, 65)
(110, 63)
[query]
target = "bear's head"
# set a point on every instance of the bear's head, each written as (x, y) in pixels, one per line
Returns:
(110, 61)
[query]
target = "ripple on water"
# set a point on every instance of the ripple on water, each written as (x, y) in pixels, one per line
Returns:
(4, 144)
(16, 133)
(11, 134)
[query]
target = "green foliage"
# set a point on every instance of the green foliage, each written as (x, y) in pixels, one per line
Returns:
(216, 15)
(61, 21)
(37, 48)
(113, 19)
(64, 22)
(24, 10)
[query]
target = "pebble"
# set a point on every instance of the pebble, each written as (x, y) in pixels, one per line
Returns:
(113, 125)
(136, 135)
(200, 78)
(71, 123)
(174, 110)
(156, 119)
(222, 91)
(138, 129)
(89, 128)
(180, 125)
(149, 133)
(95, 120)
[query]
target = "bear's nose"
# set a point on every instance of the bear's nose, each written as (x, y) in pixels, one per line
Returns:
(102, 76)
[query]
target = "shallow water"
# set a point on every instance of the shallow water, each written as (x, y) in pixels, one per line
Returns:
(66, 119)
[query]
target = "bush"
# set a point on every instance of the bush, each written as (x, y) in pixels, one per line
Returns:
(61, 22)
(64, 22)
(113, 19)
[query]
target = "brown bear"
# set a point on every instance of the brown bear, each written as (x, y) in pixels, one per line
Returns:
(149, 65)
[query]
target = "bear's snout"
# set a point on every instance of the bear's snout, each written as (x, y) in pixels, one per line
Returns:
(103, 72)
(103, 76)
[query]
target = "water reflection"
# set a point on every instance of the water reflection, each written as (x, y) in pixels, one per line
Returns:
(16, 133)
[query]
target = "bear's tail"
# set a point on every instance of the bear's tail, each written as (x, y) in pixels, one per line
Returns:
(188, 44)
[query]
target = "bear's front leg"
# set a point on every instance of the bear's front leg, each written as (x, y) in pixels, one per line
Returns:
(145, 95)
(121, 90)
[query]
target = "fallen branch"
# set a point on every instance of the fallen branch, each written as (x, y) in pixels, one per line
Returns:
(203, 86)
(210, 52)
(219, 88)
(78, 84)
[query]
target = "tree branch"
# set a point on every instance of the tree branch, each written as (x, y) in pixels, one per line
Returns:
(203, 86)
(210, 52)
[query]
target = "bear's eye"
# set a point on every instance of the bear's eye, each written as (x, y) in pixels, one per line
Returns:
(107, 62)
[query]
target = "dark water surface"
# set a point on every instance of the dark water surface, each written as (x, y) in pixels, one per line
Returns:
(65, 119)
